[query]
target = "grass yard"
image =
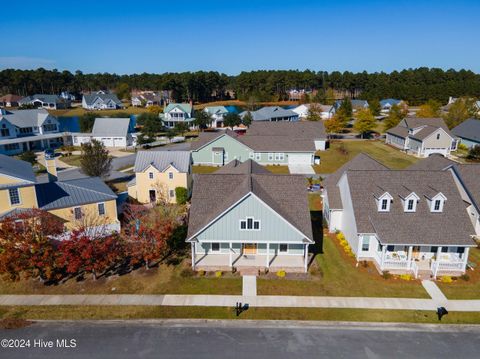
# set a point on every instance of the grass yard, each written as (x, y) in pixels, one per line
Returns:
(333, 158)
(73, 160)
(278, 169)
(336, 274)
(151, 312)
(162, 280)
(204, 169)
(79, 111)
(462, 289)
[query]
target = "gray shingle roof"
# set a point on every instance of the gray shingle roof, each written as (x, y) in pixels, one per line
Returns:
(359, 162)
(27, 118)
(430, 126)
(269, 112)
(43, 98)
(90, 99)
(283, 193)
(247, 167)
(71, 193)
(16, 168)
(207, 137)
(450, 227)
(434, 162)
(469, 129)
(110, 127)
(181, 160)
(470, 175)
(389, 101)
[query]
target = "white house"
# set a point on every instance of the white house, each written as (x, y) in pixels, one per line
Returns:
(326, 111)
(52, 102)
(177, 113)
(101, 101)
(112, 132)
(217, 113)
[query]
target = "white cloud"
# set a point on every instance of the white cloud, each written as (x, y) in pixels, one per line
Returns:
(24, 62)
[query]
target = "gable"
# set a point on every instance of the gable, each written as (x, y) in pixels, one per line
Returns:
(226, 142)
(273, 227)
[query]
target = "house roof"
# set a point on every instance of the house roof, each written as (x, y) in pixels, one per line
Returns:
(207, 137)
(215, 193)
(91, 98)
(10, 98)
(434, 162)
(389, 101)
(451, 227)
(43, 98)
(185, 107)
(247, 167)
(430, 125)
(27, 118)
(355, 104)
(110, 127)
(360, 162)
(266, 113)
(16, 168)
(469, 175)
(162, 159)
(219, 110)
(297, 130)
(72, 193)
(469, 130)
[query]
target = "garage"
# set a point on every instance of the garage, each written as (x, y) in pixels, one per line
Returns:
(430, 151)
(108, 141)
(300, 158)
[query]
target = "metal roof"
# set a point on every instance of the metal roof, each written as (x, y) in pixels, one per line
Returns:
(28, 118)
(16, 168)
(110, 127)
(181, 160)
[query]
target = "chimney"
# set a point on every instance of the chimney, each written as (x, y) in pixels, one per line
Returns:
(51, 166)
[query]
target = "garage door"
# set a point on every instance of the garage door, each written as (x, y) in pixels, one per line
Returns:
(299, 158)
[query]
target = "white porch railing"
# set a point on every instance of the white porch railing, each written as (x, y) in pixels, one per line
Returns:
(438, 266)
(396, 264)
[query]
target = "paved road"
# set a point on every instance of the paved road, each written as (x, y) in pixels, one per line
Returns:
(248, 339)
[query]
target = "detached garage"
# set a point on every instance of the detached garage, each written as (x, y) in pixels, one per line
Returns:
(112, 132)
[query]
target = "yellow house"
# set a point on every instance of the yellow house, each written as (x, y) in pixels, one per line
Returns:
(81, 203)
(158, 174)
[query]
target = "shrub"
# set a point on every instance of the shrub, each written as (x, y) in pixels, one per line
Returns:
(446, 279)
(406, 276)
(465, 277)
(386, 274)
(281, 274)
(218, 273)
(187, 272)
(462, 146)
(29, 156)
(182, 195)
(201, 273)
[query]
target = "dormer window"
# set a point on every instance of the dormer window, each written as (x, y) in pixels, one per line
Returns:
(410, 202)
(436, 203)
(410, 205)
(384, 202)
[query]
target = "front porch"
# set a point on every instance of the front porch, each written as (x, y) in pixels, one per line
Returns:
(417, 260)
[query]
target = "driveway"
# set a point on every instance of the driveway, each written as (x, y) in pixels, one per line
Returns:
(301, 169)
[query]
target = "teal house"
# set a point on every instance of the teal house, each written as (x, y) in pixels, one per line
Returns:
(246, 217)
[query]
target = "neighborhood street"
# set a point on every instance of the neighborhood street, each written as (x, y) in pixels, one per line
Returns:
(243, 339)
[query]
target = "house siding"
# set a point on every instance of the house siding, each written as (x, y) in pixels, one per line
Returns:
(348, 225)
(234, 149)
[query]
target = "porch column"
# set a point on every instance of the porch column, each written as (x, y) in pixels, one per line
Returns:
(409, 258)
(439, 251)
(465, 257)
(230, 249)
(193, 255)
(306, 257)
(268, 255)
(384, 249)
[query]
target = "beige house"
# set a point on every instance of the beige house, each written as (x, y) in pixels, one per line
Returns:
(158, 174)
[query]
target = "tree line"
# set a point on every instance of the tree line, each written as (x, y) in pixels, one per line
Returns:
(415, 86)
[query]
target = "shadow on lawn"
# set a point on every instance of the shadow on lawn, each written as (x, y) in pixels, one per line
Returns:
(317, 229)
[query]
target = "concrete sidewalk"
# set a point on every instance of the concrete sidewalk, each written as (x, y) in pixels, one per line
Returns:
(230, 300)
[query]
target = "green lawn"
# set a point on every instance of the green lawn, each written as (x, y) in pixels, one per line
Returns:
(333, 158)
(73, 160)
(204, 169)
(335, 274)
(79, 111)
(165, 279)
(151, 312)
(278, 169)
(462, 289)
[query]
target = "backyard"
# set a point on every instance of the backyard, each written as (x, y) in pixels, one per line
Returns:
(340, 152)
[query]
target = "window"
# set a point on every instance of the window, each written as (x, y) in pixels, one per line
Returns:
(279, 156)
(172, 193)
(101, 209)
(249, 224)
(437, 204)
(258, 156)
(438, 136)
(365, 244)
(444, 249)
(216, 247)
(460, 250)
(77, 212)
(12, 146)
(390, 248)
(384, 204)
(434, 249)
(5, 132)
(410, 205)
(270, 156)
(170, 175)
(150, 175)
(14, 196)
(283, 248)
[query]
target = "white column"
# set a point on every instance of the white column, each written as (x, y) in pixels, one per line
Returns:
(409, 258)
(306, 257)
(439, 251)
(230, 253)
(384, 249)
(465, 258)
(268, 255)
(193, 255)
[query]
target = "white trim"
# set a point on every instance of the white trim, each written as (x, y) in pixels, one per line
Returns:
(104, 209)
(10, 197)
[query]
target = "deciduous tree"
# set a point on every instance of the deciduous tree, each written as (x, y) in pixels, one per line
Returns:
(95, 161)
(365, 122)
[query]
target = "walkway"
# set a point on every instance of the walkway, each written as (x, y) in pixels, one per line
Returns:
(434, 292)
(302, 169)
(230, 300)
(249, 285)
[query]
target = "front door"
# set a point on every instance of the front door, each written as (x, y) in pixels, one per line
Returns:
(250, 248)
(416, 252)
(153, 195)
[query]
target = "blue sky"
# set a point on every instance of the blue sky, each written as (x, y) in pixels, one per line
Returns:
(234, 36)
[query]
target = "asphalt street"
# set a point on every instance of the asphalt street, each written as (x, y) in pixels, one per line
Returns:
(239, 339)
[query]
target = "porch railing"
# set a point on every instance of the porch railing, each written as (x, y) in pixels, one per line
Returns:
(438, 266)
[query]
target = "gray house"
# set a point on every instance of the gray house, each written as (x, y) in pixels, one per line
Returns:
(101, 101)
(51, 102)
(468, 132)
(263, 223)
(282, 143)
(272, 114)
(403, 221)
(422, 137)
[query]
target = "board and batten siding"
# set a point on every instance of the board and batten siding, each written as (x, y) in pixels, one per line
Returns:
(233, 149)
(273, 228)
